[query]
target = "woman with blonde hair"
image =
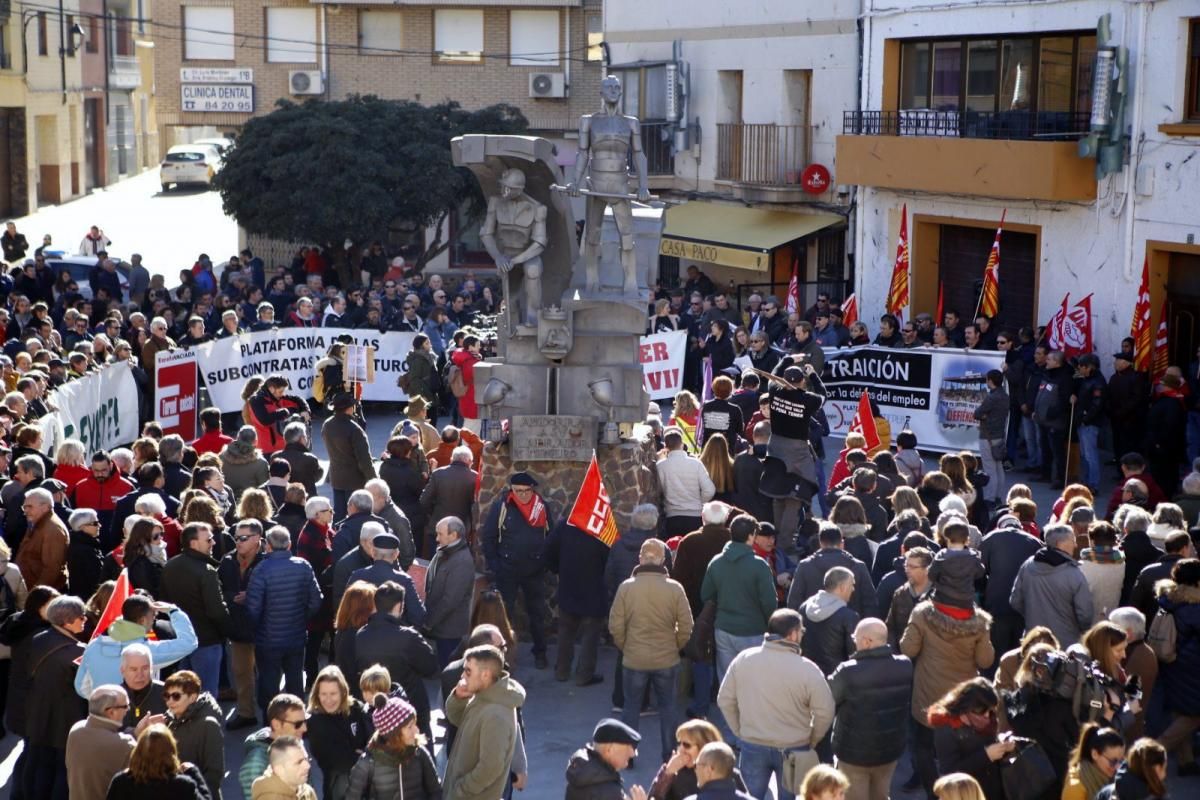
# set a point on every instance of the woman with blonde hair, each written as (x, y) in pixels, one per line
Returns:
(676, 779)
(956, 470)
(905, 498)
(155, 771)
(717, 461)
(255, 504)
(958, 786)
(70, 467)
(685, 416)
(663, 320)
(824, 782)
(339, 727)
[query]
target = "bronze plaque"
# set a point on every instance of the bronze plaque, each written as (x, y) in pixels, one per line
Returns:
(552, 438)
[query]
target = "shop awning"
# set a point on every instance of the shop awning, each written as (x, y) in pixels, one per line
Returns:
(734, 236)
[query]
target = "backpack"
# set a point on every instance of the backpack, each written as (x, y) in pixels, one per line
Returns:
(458, 384)
(1163, 636)
(405, 382)
(318, 386)
(1074, 677)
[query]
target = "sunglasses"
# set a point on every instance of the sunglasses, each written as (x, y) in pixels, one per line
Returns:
(157, 535)
(245, 537)
(174, 696)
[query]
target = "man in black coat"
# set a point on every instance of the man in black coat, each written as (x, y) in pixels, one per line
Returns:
(1003, 551)
(873, 694)
(579, 559)
(234, 573)
(85, 557)
(1139, 551)
(360, 508)
(1178, 546)
(1128, 396)
(1052, 410)
(747, 472)
(810, 573)
(386, 640)
(189, 580)
(176, 477)
(829, 623)
(384, 569)
(306, 468)
(52, 706)
(450, 491)
(151, 479)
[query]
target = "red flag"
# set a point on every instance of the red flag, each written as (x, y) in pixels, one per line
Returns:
(850, 311)
(864, 423)
(1140, 329)
(941, 306)
(793, 295)
(1054, 329)
(1077, 329)
(898, 292)
(112, 610)
(592, 512)
(989, 300)
(1162, 358)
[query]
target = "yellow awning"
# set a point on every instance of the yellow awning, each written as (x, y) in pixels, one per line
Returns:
(734, 236)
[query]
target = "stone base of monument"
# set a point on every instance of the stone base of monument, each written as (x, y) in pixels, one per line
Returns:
(629, 476)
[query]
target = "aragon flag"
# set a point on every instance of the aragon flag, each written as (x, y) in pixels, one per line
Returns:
(592, 512)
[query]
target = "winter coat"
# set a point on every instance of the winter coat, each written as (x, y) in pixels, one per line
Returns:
(233, 582)
(102, 659)
(465, 360)
(379, 572)
(911, 466)
(423, 377)
(1143, 597)
(590, 777)
(1052, 404)
(1179, 677)
(1166, 431)
(97, 749)
(306, 468)
(774, 696)
(16, 634)
(1091, 403)
(810, 578)
(1048, 720)
(350, 465)
(650, 620)
(730, 788)
(743, 587)
(187, 784)
(945, 652)
(449, 492)
(1139, 554)
(449, 588)
(828, 630)
(510, 544)
(1104, 579)
(872, 691)
(1127, 785)
(199, 735)
(856, 542)
(272, 787)
(255, 761)
(623, 559)
(349, 532)
(479, 763)
(992, 415)
(85, 564)
(42, 556)
(337, 741)
(747, 472)
(281, 596)
(189, 580)
(10, 609)
(380, 774)
(953, 574)
(1051, 590)
(962, 749)
(51, 708)
(408, 657)
(692, 557)
(1003, 551)
(244, 467)
(686, 485)
(888, 551)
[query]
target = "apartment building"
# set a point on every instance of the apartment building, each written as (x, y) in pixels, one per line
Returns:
(973, 111)
(220, 62)
(740, 106)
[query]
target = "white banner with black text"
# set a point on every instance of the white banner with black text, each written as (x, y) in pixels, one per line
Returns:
(99, 409)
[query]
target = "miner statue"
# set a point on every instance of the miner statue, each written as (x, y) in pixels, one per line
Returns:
(514, 234)
(602, 176)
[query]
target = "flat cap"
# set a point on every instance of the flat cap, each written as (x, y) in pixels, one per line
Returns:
(613, 731)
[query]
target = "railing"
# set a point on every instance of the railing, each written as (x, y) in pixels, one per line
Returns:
(1026, 125)
(836, 291)
(761, 153)
(656, 144)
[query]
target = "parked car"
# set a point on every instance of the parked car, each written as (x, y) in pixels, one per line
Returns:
(80, 266)
(220, 142)
(189, 164)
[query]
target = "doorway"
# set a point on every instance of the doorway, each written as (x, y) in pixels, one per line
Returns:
(93, 139)
(1183, 307)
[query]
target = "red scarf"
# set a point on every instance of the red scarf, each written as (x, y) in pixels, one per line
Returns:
(534, 511)
(954, 612)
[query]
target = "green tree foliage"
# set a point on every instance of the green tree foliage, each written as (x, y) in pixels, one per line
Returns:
(326, 171)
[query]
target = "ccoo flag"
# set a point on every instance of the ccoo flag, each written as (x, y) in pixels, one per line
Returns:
(989, 300)
(793, 297)
(898, 292)
(864, 423)
(592, 512)
(1162, 356)
(1139, 331)
(112, 609)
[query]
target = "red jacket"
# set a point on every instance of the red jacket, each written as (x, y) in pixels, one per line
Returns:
(100, 495)
(466, 361)
(211, 442)
(70, 474)
(265, 415)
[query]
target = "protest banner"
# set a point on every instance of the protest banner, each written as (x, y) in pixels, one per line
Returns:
(99, 409)
(661, 355)
(175, 392)
(226, 364)
(931, 391)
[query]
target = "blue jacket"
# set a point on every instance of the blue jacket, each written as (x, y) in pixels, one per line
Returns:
(102, 659)
(281, 597)
(578, 559)
(1179, 677)
(515, 546)
(382, 571)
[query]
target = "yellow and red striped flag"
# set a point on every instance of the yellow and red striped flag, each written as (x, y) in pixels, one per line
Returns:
(1139, 331)
(592, 512)
(898, 292)
(1162, 358)
(989, 300)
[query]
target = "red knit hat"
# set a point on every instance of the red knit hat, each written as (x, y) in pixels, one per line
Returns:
(391, 714)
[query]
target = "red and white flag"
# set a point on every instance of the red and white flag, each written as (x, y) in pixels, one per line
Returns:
(112, 609)
(1139, 330)
(1162, 357)
(850, 310)
(793, 295)
(592, 512)
(864, 423)
(1054, 328)
(1077, 329)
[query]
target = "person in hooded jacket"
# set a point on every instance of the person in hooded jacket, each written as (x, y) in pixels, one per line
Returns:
(594, 771)
(810, 573)
(1051, 590)
(194, 719)
(243, 464)
(396, 762)
(829, 623)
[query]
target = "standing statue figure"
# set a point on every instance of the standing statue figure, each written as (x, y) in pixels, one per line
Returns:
(514, 234)
(602, 175)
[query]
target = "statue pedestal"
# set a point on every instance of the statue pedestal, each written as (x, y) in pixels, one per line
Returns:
(629, 476)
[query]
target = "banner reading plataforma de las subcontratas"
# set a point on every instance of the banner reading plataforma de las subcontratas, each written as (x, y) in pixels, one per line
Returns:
(99, 409)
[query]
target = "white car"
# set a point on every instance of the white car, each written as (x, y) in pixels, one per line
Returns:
(80, 266)
(189, 163)
(220, 142)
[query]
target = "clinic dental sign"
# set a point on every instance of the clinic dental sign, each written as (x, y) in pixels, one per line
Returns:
(226, 364)
(217, 89)
(99, 409)
(175, 395)
(661, 356)
(931, 391)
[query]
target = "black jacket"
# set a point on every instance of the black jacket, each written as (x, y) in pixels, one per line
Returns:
(873, 695)
(189, 580)
(336, 741)
(1048, 720)
(1092, 403)
(408, 657)
(747, 472)
(722, 789)
(51, 705)
(1128, 395)
(828, 637)
(810, 577)
(187, 785)
(177, 478)
(1052, 404)
(346, 538)
(1003, 551)
(724, 417)
(1142, 596)
(510, 543)
(383, 775)
(306, 468)
(405, 484)
(589, 777)
(241, 626)
(1139, 552)
(962, 750)
(85, 565)
(579, 560)
(1016, 375)
(17, 632)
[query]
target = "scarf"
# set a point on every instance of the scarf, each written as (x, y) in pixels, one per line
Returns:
(1092, 778)
(953, 612)
(534, 511)
(1102, 555)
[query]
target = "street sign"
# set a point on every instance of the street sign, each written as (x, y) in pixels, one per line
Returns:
(217, 97)
(216, 75)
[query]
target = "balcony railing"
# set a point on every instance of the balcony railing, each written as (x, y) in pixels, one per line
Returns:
(1022, 125)
(656, 144)
(761, 153)
(124, 72)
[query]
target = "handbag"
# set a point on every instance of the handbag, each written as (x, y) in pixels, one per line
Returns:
(1027, 772)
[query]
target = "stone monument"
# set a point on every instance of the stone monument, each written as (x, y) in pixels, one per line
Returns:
(567, 378)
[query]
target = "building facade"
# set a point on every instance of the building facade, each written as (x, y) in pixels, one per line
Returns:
(218, 63)
(971, 112)
(740, 107)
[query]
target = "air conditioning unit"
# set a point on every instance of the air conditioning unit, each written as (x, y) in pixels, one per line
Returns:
(306, 81)
(547, 84)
